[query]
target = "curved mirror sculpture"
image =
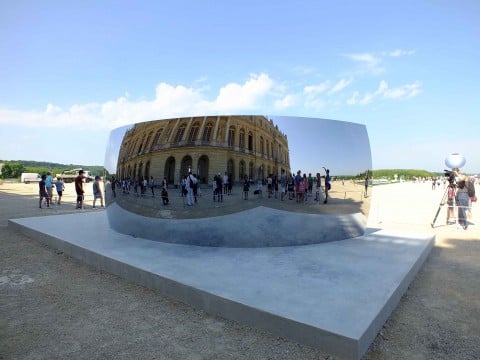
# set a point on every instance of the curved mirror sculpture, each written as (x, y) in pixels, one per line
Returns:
(234, 180)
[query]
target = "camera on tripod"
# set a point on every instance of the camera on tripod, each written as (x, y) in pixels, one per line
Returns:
(451, 177)
(454, 161)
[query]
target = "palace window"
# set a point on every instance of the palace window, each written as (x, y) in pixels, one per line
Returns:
(231, 136)
(207, 132)
(156, 139)
(242, 139)
(148, 140)
(250, 141)
(180, 132)
(241, 169)
(141, 144)
(194, 132)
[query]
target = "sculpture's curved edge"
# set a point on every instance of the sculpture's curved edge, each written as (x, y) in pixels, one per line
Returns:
(259, 227)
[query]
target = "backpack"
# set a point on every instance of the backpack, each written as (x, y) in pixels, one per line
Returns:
(191, 182)
(470, 189)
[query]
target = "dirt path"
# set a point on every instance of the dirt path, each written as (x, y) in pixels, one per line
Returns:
(54, 307)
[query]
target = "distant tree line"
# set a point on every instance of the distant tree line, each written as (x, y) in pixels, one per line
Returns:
(15, 168)
(406, 174)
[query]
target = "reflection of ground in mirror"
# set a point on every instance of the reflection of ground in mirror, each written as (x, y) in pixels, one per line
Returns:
(344, 198)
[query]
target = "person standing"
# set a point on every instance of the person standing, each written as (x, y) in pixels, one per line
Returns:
(113, 184)
(306, 185)
(283, 184)
(152, 186)
(366, 183)
(450, 202)
(49, 185)
(246, 187)
(43, 192)
(225, 183)
(165, 196)
(60, 188)
(327, 185)
(318, 187)
(79, 189)
(230, 184)
(462, 203)
(310, 183)
(190, 185)
(470, 184)
(97, 191)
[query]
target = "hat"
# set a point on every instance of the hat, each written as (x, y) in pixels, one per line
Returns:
(97, 177)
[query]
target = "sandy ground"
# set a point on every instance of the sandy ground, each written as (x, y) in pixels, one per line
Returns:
(54, 307)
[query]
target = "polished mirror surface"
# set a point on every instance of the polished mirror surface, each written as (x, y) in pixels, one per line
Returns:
(210, 166)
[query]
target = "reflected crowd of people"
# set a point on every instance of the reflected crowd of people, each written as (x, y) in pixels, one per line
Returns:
(299, 187)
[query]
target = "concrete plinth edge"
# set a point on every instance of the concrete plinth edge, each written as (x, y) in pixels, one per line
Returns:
(334, 296)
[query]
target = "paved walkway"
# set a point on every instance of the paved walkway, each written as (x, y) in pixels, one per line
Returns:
(44, 291)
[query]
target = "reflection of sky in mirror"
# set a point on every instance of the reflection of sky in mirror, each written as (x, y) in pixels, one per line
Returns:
(340, 146)
(113, 148)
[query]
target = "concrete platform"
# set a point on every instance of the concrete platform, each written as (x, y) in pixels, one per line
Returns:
(334, 296)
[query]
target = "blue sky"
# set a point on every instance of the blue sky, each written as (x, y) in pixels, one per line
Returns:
(407, 70)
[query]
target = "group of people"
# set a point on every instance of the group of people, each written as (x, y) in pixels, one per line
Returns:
(47, 183)
(96, 189)
(460, 193)
(46, 189)
(140, 186)
(297, 186)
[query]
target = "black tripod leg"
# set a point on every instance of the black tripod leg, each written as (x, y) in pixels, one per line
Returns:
(436, 215)
(439, 207)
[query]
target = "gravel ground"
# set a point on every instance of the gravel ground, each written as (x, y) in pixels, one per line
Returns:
(54, 307)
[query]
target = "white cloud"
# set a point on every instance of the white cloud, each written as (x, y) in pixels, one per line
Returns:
(398, 53)
(316, 89)
(169, 101)
(342, 84)
(304, 70)
(384, 92)
(354, 99)
(259, 93)
(234, 97)
(369, 63)
(403, 91)
(286, 102)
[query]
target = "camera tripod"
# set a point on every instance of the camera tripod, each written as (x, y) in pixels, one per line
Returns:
(442, 202)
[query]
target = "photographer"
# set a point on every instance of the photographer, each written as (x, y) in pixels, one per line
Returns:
(461, 197)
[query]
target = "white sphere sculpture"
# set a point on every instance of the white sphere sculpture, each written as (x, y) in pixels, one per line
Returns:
(455, 160)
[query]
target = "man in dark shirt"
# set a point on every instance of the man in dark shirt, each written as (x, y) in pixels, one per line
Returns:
(79, 189)
(43, 192)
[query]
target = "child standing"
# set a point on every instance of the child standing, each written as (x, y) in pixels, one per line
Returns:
(97, 191)
(60, 188)
(165, 196)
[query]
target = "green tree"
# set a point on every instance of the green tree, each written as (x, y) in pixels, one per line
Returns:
(12, 170)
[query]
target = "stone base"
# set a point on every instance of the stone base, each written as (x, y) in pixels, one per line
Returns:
(334, 296)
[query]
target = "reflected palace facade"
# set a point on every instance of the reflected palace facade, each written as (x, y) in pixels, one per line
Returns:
(239, 145)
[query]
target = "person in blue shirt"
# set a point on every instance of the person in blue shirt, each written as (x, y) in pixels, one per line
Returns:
(60, 186)
(49, 185)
